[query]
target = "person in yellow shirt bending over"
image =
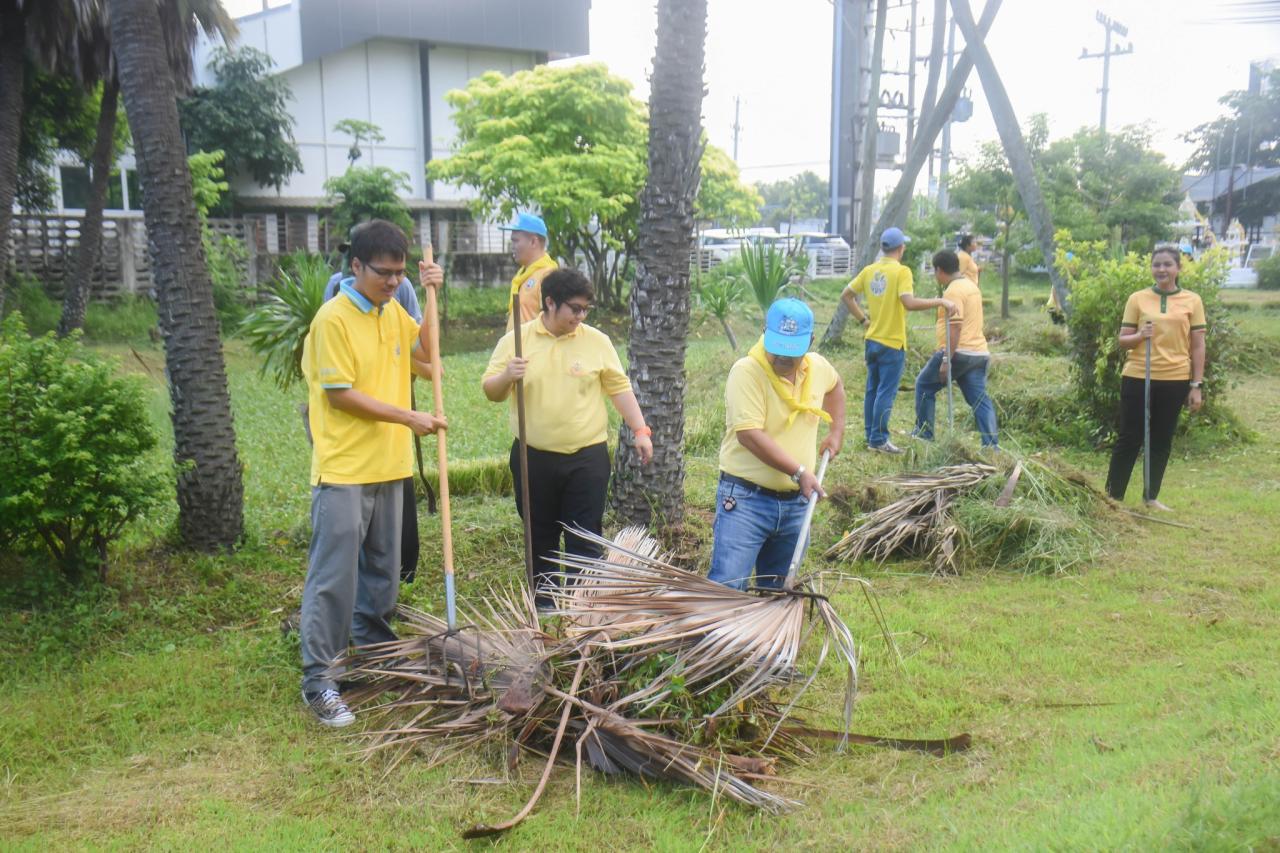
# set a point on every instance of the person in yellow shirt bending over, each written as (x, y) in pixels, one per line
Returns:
(964, 251)
(1172, 319)
(775, 399)
(529, 248)
(887, 285)
(568, 369)
(967, 359)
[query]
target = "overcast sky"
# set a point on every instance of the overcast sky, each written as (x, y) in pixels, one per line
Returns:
(776, 57)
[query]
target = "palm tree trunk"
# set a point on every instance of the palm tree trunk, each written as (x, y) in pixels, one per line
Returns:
(76, 289)
(1015, 147)
(660, 295)
(871, 128)
(895, 208)
(728, 333)
(12, 52)
(210, 489)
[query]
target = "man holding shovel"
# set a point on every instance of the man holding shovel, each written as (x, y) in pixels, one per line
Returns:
(357, 359)
(962, 356)
(774, 401)
(567, 369)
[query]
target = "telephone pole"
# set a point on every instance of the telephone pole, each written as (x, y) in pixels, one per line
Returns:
(1109, 26)
(737, 126)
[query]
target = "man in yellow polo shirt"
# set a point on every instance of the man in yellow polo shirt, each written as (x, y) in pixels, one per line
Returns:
(968, 266)
(529, 248)
(568, 369)
(357, 359)
(888, 287)
(967, 359)
(774, 401)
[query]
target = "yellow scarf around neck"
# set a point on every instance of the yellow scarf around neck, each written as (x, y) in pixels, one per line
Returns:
(783, 390)
(524, 273)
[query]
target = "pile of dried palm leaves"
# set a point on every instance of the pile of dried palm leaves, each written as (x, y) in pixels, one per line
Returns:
(964, 513)
(652, 671)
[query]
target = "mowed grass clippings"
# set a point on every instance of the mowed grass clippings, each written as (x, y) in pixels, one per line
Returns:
(1132, 702)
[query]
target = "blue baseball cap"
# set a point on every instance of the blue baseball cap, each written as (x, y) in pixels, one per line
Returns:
(526, 221)
(788, 328)
(892, 238)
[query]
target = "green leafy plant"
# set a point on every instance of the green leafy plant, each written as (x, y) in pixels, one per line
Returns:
(767, 270)
(77, 466)
(359, 131)
(1269, 273)
(717, 294)
(368, 192)
(277, 328)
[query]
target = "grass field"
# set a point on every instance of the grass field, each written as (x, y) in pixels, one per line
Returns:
(1135, 704)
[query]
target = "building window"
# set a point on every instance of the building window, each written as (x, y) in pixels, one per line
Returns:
(75, 187)
(134, 188)
(115, 192)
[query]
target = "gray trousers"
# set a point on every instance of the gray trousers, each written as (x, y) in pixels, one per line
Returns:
(348, 600)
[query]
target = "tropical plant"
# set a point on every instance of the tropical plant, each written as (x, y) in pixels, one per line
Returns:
(359, 131)
(717, 295)
(77, 467)
(767, 269)
(246, 115)
(368, 192)
(277, 328)
(660, 293)
(147, 39)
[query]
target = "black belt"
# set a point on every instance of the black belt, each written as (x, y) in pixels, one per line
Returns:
(747, 484)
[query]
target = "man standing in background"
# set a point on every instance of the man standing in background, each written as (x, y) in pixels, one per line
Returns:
(529, 248)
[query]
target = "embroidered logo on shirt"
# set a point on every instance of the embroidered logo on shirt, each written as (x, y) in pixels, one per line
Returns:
(879, 284)
(576, 369)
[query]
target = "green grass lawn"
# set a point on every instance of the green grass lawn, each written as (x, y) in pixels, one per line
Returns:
(1133, 704)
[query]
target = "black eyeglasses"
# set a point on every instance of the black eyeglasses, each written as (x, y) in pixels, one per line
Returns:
(578, 309)
(396, 274)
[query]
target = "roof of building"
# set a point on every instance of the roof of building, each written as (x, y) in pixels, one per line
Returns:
(1201, 187)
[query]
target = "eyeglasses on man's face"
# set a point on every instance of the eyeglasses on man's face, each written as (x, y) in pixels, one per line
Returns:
(383, 272)
(579, 309)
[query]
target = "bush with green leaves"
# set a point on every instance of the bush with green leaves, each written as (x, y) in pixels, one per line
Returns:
(1101, 281)
(277, 328)
(717, 293)
(77, 465)
(368, 192)
(1269, 273)
(767, 270)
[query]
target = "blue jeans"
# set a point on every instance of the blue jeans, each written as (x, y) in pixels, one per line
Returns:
(969, 373)
(753, 529)
(884, 372)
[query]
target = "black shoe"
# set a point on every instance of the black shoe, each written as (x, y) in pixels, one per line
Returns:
(329, 708)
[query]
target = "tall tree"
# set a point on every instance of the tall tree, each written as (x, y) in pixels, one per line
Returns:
(1015, 146)
(660, 295)
(802, 196)
(146, 38)
(895, 208)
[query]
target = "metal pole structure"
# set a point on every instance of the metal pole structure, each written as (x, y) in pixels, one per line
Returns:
(737, 127)
(944, 162)
(1231, 182)
(1109, 26)
(951, 418)
(911, 82)
(871, 129)
(1106, 81)
(837, 87)
(1146, 426)
(802, 544)
(1213, 201)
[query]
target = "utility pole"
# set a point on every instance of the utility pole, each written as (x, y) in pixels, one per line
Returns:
(944, 159)
(1109, 26)
(737, 126)
(911, 82)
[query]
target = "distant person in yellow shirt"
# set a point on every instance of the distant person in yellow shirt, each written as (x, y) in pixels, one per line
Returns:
(568, 369)
(1172, 319)
(529, 248)
(968, 266)
(887, 285)
(775, 399)
(967, 359)
(357, 359)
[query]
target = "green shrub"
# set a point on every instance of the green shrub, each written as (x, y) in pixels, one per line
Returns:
(1100, 284)
(368, 192)
(129, 319)
(76, 467)
(226, 257)
(1269, 273)
(277, 328)
(29, 298)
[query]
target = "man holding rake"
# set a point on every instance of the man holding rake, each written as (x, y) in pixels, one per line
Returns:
(774, 401)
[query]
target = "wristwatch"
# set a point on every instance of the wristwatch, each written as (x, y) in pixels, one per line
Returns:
(795, 478)
(1196, 383)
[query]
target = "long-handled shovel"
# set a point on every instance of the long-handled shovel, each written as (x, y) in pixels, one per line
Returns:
(802, 544)
(442, 456)
(523, 450)
(1146, 427)
(951, 421)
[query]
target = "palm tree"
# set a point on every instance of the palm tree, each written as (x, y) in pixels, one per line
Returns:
(148, 40)
(660, 295)
(1015, 147)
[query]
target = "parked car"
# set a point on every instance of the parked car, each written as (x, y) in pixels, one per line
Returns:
(829, 255)
(717, 245)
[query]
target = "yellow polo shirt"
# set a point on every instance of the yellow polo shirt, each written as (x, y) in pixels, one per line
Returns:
(968, 266)
(751, 403)
(968, 299)
(564, 386)
(1175, 315)
(355, 344)
(882, 283)
(528, 283)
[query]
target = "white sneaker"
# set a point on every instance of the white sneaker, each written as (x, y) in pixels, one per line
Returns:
(887, 447)
(329, 708)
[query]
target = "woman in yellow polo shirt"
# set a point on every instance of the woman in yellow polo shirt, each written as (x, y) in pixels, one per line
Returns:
(568, 369)
(1173, 320)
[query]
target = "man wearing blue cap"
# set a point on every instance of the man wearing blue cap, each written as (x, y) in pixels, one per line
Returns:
(888, 287)
(529, 248)
(774, 400)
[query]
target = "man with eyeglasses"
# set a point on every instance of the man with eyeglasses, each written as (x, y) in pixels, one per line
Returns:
(568, 369)
(357, 359)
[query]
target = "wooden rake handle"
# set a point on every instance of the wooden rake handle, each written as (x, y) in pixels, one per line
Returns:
(442, 455)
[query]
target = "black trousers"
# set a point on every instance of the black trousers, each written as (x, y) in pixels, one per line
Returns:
(564, 489)
(1167, 399)
(409, 544)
